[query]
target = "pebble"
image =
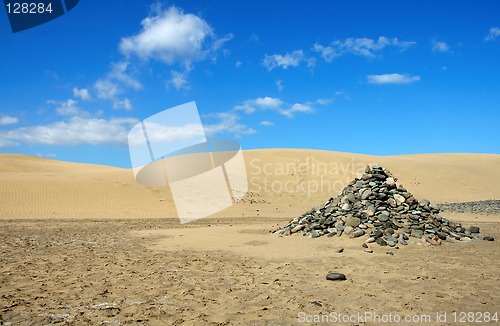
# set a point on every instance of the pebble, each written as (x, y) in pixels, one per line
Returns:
(399, 199)
(339, 250)
(352, 221)
(390, 253)
(474, 229)
(384, 217)
(314, 234)
(370, 240)
(487, 238)
(391, 243)
(369, 251)
(366, 194)
(336, 277)
(358, 233)
(298, 228)
(348, 230)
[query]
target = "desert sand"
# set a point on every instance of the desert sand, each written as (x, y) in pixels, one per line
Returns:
(85, 244)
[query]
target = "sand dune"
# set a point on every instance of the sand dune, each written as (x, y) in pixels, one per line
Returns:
(282, 182)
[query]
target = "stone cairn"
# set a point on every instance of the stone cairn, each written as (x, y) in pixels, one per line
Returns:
(376, 207)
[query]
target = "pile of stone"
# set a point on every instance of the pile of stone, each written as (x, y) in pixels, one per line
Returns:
(376, 207)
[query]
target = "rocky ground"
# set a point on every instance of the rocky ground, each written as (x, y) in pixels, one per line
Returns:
(477, 207)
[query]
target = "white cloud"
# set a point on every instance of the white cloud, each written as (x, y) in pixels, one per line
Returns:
(178, 80)
(109, 86)
(5, 142)
(392, 79)
(106, 89)
(263, 103)
(493, 34)
(82, 93)
(124, 104)
(171, 36)
(76, 131)
(358, 46)
(441, 47)
(8, 120)
(119, 73)
(279, 84)
(228, 122)
(238, 64)
(268, 102)
(278, 106)
(296, 108)
(324, 101)
(267, 123)
(69, 108)
(161, 133)
(292, 59)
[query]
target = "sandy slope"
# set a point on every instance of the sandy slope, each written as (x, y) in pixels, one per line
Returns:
(282, 182)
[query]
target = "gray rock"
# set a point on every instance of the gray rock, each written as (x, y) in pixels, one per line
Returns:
(383, 217)
(336, 277)
(392, 202)
(366, 194)
(424, 202)
(391, 182)
(487, 238)
(348, 230)
(313, 234)
(358, 233)
(441, 235)
(370, 240)
(474, 229)
(297, 228)
(352, 221)
(399, 199)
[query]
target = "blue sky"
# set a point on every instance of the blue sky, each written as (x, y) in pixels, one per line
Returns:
(373, 77)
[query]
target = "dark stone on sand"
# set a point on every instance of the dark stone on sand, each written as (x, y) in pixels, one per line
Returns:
(335, 277)
(487, 238)
(474, 229)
